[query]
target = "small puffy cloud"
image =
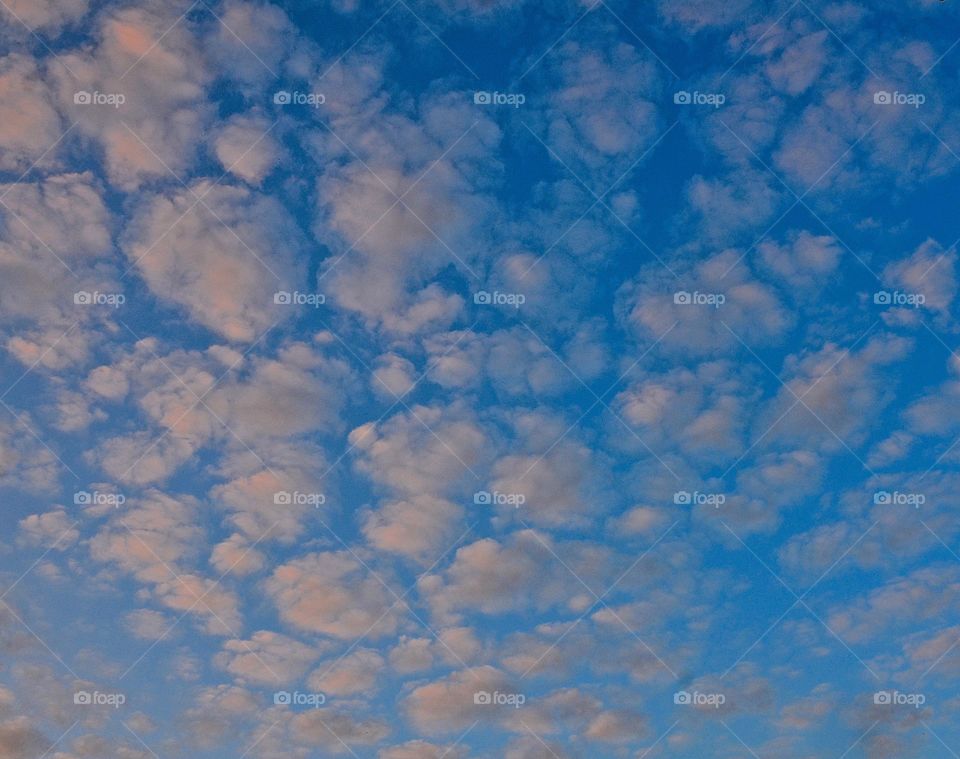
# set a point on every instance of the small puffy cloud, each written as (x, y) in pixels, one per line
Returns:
(236, 556)
(422, 750)
(448, 705)
(148, 624)
(158, 67)
(929, 271)
(417, 527)
(66, 211)
(245, 148)
(356, 673)
(804, 262)
(268, 659)
(31, 124)
(661, 306)
(333, 594)
(53, 529)
(220, 259)
(47, 16)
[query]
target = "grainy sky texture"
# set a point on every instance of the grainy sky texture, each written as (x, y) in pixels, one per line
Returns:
(479, 379)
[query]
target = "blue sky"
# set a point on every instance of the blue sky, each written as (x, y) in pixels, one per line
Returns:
(478, 379)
